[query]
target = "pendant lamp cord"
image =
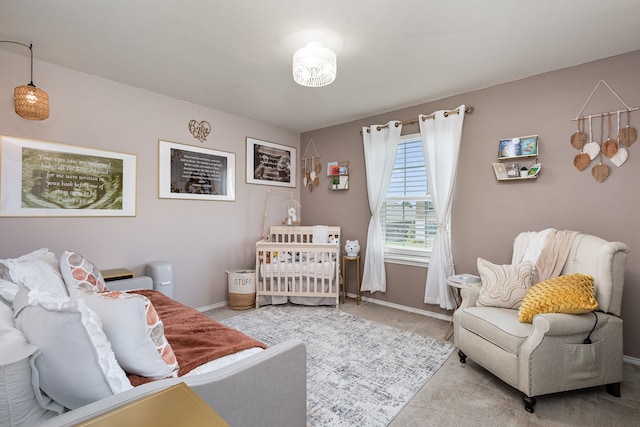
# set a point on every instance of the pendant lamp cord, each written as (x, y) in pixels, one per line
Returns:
(30, 46)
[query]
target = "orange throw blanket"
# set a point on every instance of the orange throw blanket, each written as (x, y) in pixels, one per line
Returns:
(195, 338)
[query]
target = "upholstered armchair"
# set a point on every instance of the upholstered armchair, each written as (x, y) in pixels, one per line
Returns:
(557, 351)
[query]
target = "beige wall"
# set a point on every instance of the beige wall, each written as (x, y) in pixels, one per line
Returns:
(202, 239)
(487, 214)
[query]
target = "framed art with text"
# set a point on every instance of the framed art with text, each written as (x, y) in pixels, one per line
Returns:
(270, 164)
(197, 173)
(39, 178)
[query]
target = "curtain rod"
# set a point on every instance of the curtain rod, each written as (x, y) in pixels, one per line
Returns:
(469, 109)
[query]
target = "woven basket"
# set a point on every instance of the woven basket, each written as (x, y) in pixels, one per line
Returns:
(242, 289)
(242, 301)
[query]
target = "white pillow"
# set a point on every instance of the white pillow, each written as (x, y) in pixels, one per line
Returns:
(18, 403)
(77, 365)
(19, 392)
(320, 234)
(12, 341)
(504, 286)
(136, 333)
(8, 290)
(36, 270)
(80, 274)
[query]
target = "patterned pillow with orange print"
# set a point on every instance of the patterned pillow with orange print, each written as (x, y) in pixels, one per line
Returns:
(136, 333)
(80, 274)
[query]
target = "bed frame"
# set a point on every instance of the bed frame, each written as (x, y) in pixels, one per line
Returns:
(242, 393)
(289, 264)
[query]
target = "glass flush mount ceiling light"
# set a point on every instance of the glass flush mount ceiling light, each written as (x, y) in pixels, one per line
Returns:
(314, 65)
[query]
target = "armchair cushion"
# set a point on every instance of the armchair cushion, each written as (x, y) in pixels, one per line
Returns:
(497, 325)
(573, 293)
(503, 285)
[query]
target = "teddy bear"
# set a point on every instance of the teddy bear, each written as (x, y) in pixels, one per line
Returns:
(352, 247)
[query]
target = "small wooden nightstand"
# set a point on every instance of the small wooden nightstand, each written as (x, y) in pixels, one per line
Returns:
(345, 278)
(116, 274)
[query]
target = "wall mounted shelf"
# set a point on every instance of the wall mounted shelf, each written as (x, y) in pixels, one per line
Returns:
(338, 173)
(512, 155)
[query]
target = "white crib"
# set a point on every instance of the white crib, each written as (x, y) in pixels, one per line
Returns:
(290, 267)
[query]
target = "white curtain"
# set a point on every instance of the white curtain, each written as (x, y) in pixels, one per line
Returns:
(441, 141)
(380, 144)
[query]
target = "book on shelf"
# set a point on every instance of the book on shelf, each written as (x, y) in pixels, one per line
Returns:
(464, 278)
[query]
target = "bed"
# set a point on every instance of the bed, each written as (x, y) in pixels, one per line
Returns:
(65, 364)
(298, 264)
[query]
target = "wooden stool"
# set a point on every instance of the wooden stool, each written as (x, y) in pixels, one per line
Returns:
(345, 277)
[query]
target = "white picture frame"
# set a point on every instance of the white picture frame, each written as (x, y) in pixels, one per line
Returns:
(195, 173)
(49, 179)
(268, 163)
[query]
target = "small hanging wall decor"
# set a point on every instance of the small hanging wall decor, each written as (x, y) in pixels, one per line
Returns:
(311, 168)
(611, 149)
(200, 130)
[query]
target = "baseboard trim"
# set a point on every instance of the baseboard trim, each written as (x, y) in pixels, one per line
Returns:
(213, 306)
(405, 308)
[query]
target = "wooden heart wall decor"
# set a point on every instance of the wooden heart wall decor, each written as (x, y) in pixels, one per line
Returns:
(199, 130)
(590, 148)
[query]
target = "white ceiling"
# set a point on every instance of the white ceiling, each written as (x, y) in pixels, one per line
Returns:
(235, 55)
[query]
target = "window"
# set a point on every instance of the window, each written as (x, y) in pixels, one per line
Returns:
(409, 220)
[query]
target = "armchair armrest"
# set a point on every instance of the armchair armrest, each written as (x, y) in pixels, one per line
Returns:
(555, 358)
(559, 324)
(469, 297)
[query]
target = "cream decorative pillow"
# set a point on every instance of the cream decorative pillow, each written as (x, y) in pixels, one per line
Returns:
(503, 286)
(573, 293)
(136, 333)
(77, 365)
(80, 274)
(36, 270)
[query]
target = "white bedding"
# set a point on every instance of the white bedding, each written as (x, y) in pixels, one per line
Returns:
(223, 361)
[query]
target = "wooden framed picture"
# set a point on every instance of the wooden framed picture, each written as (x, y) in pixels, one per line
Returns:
(270, 164)
(197, 173)
(40, 178)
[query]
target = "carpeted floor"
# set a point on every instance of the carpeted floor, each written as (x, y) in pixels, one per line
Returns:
(359, 372)
(467, 395)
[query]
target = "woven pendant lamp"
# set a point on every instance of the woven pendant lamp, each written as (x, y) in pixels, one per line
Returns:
(314, 65)
(30, 102)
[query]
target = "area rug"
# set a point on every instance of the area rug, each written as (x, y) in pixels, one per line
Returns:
(359, 373)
